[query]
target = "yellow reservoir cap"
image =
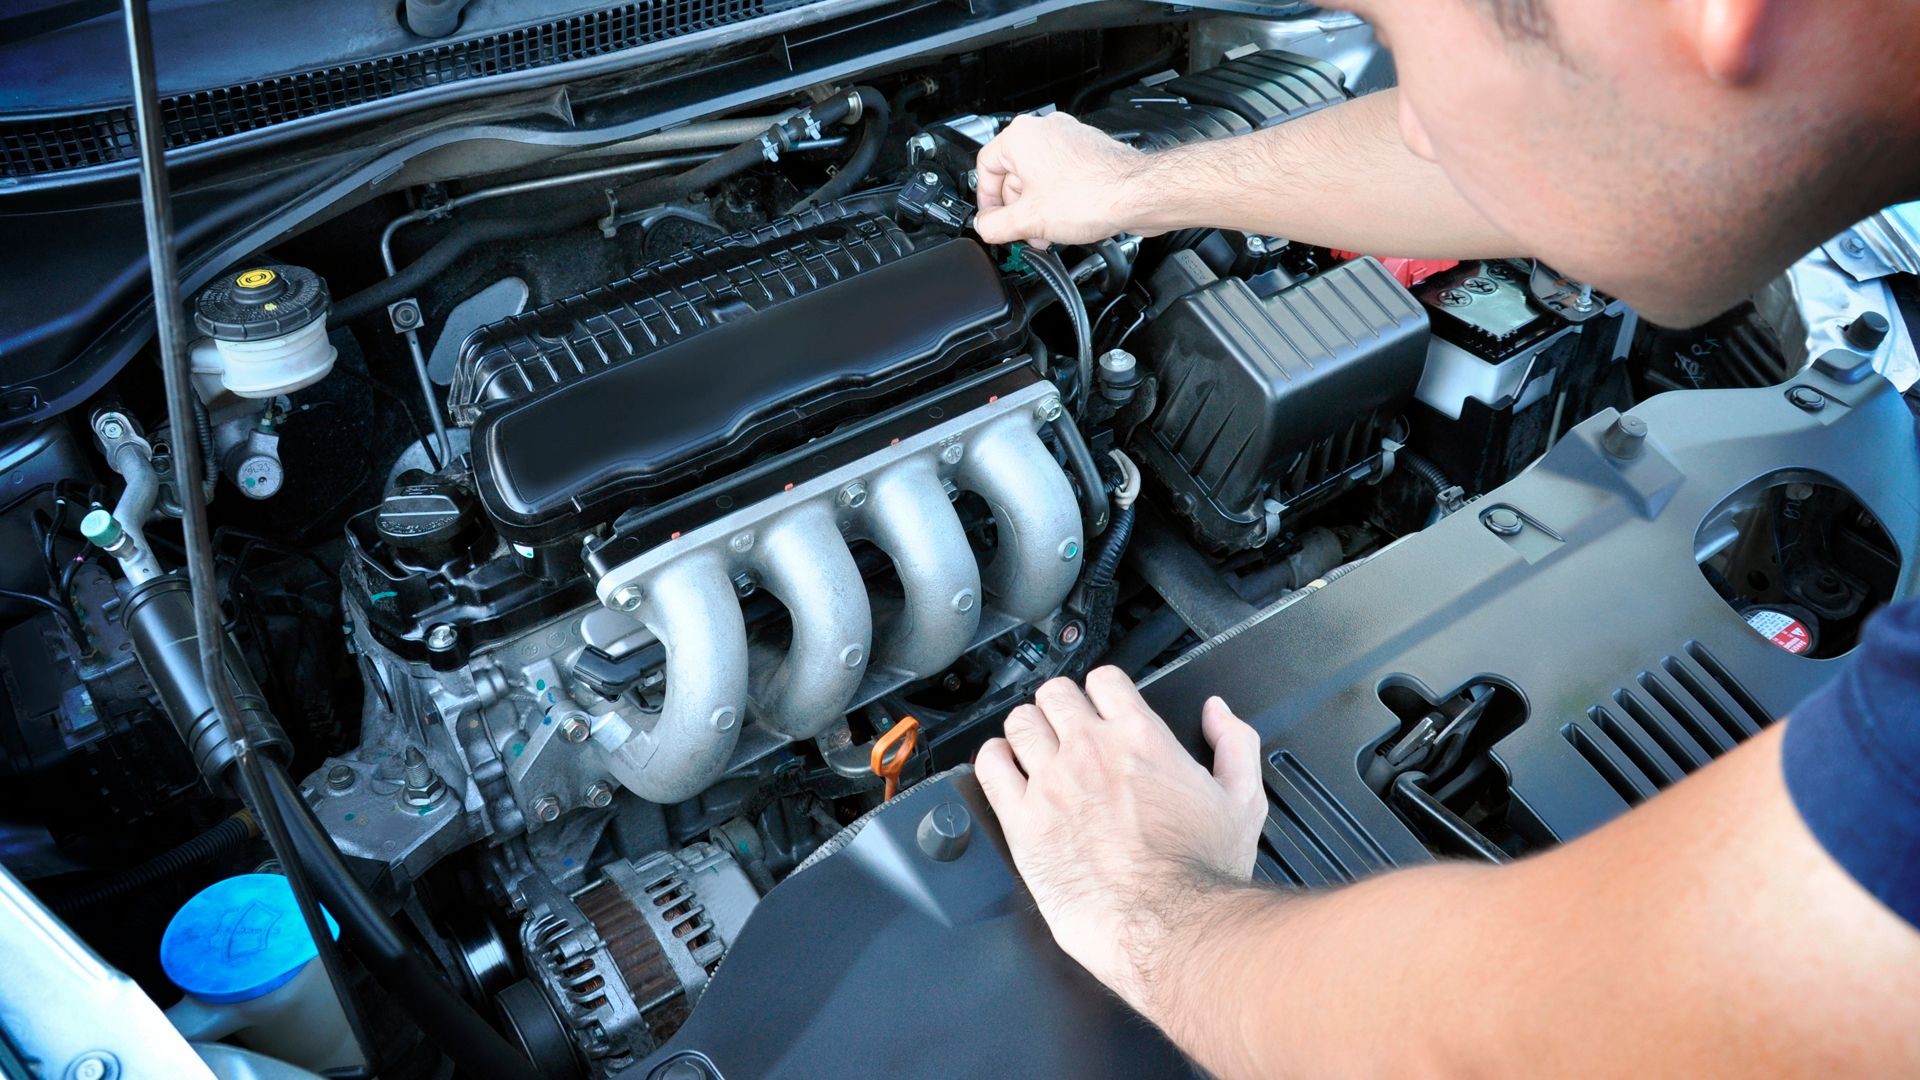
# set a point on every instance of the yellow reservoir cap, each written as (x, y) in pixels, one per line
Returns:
(255, 278)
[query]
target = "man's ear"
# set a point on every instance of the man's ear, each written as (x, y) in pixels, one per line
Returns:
(1726, 36)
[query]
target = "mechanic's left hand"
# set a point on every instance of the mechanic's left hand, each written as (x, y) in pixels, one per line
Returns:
(1114, 825)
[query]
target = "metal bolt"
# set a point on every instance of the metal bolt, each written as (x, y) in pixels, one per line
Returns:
(952, 452)
(744, 585)
(340, 778)
(112, 428)
(1069, 550)
(1118, 363)
(1256, 245)
(97, 1065)
(930, 177)
(575, 729)
(1503, 521)
(1070, 634)
(1454, 298)
(1806, 397)
(599, 794)
(546, 808)
(1585, 302)
(854, 495)
(627, 597)
(1854, 246)
(1049, 410)
(1479, 285)
(920, 144)
(741, 543)
(441, 637)
(1626, 439)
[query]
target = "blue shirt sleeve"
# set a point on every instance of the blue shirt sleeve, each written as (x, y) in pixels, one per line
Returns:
(1852, 760)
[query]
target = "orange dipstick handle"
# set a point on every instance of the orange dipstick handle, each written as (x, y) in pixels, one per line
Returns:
(900, 739)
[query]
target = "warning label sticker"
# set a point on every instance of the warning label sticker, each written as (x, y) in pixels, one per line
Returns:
(1782, 629)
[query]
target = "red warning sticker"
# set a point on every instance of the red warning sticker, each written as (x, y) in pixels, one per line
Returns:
(1782, 629)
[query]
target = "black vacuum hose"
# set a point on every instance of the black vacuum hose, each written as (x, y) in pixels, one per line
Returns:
(1093, 493)
(1107, 563)
(875, 115)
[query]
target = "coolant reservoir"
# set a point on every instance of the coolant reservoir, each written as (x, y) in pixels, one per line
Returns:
(241, 951)
(266, 331)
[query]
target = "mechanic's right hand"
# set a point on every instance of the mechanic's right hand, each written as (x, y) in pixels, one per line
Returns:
(1052, 179)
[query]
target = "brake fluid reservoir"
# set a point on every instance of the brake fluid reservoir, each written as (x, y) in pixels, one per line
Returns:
(266, 331)
(241, 951)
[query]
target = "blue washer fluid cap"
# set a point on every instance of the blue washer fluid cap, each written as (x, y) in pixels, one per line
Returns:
(238, 939)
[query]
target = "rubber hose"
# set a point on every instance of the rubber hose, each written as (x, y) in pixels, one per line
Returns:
(1119, 267)
(1051, 270)
(475, 1047)
(1093, 491)
(225, 837)
(1107, 563)
(874, 118)
(459, 240)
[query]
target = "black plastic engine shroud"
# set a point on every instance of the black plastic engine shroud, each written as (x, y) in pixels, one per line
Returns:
(1598, 591)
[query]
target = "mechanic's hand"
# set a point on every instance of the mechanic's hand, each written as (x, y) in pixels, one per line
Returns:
(1114, 826)
(1053, 179)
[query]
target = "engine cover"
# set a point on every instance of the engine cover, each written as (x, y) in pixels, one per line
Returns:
(641, 389)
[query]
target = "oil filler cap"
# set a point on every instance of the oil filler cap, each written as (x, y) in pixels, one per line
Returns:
(238, 939)
(260, 302)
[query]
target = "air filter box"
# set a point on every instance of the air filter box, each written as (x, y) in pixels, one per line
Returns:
(1258, 396)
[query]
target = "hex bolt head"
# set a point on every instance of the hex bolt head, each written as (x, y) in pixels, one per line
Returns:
(627, 597)
(945, 832)
(745, 585)
(340, 778)
(575, 729)
(853, 496)
(1503, 521)
(441, 637)
(546, 808)
(1626, 439)
(952, 452)
(1807, 398)
(599, 794)
(1049, 410)
(112, 427)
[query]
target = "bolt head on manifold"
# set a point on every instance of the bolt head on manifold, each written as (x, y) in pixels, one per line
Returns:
(1049, 410)
(575, 729)
(627, 597)
(853, 496)
(599, 794)
(546, 808)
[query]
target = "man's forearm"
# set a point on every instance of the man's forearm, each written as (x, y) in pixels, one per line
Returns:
(1342, 178)
(1259, 982)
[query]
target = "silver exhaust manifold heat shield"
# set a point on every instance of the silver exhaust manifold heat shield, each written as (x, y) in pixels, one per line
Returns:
(797, 545)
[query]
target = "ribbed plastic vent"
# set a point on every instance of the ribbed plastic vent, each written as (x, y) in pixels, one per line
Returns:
(1310, 840)
(1667, 724)
(46, 145)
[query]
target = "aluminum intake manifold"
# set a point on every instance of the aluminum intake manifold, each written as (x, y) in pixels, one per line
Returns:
(796, 546)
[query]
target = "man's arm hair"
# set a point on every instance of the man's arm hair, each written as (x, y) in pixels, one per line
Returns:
(1705, 933)
(1342, 177)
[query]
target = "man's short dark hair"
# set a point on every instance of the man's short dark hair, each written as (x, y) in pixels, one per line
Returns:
(1525, 19)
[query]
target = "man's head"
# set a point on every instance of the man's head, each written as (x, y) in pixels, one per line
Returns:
(1674, 152)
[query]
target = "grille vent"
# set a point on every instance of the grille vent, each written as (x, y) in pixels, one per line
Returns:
(40, 146)
(1667, 724)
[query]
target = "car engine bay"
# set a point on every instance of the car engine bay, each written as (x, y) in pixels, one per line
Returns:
(627, 549)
